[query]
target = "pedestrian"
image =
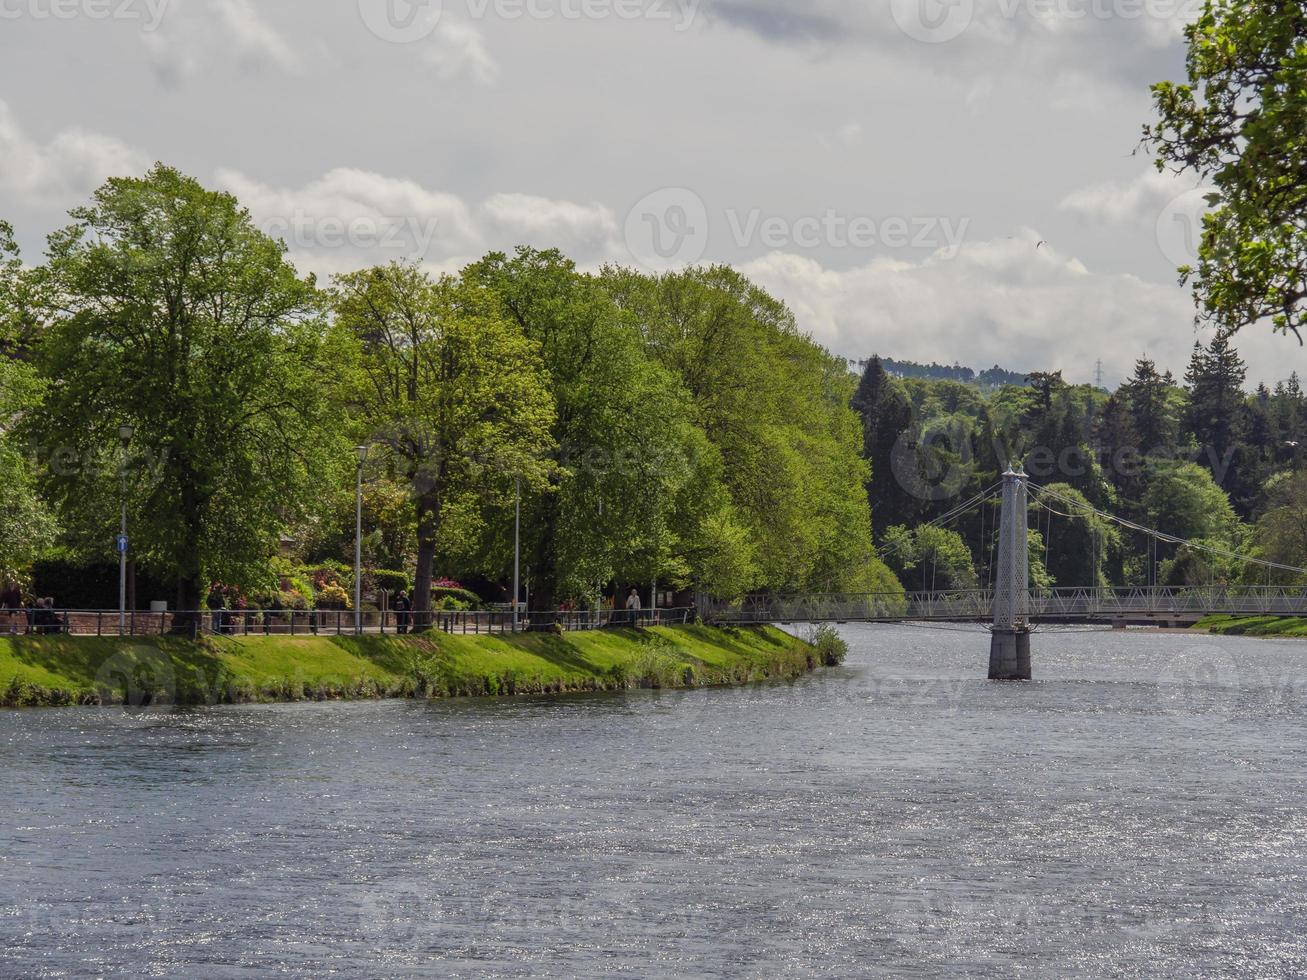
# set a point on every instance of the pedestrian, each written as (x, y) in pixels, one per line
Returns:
(11, 601)
(217, 602)
(633, 606)
(402, 606)
(44, 619)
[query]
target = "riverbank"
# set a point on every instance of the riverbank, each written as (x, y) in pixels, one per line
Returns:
(1282, 626)
(64, 670)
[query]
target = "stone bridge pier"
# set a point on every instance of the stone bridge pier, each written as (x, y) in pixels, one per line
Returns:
(1009, 641)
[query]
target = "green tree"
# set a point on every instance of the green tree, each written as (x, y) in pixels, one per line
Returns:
(1078, 544)
(627, 454)
(1152, 408)
(26, 526)
(1239, 122)
(1281, 532)
(170, 311)
(1183, 500)
(930, 558)
(453, 393)
(886, 417)
(1217, 416)
(776, 407)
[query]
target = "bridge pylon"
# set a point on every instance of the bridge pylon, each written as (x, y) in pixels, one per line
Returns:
(1009, 644)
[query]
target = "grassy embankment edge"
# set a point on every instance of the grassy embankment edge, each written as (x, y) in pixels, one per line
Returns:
(1262, 626)
(67, 670)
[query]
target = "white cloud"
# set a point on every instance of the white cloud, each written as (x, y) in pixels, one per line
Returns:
(847, 137)
(1011, 301)
(198, 35)
(588, 231)
(458, 50)
(73, 163)
(350, 218)
(1138, 201)
(1001, 302)
(255, 39)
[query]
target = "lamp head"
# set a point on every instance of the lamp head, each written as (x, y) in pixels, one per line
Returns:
(363, 454)
(125, 432)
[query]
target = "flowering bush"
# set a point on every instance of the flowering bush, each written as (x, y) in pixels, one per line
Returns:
(333, 596)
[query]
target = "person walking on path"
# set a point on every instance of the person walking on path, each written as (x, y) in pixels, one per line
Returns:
(633, 606)
(217, 602)
(402, 606)
(11, 601)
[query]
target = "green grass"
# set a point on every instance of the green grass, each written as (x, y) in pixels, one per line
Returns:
(1254, 625)
(61, 670)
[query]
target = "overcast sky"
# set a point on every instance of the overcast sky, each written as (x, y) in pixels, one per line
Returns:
(888, 168)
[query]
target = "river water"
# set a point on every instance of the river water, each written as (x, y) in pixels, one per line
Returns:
(1138, 810)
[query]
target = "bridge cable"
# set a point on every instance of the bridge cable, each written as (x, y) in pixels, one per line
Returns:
(1163, 536)
(952, 514)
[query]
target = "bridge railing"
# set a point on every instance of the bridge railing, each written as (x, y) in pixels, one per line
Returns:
(977, 604)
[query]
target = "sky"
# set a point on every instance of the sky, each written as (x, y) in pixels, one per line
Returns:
(936, 180)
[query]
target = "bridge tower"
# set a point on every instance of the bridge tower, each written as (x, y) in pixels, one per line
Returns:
(1009, 644)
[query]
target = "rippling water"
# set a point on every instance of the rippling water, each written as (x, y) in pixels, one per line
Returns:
(1139, 810)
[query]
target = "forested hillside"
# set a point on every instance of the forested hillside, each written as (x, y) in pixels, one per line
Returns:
(1198, 457)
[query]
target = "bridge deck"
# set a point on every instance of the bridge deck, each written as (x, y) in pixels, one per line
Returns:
(1044, 605)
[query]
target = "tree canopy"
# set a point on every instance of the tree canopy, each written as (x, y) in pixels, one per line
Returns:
(1239, 122)
(167, 310)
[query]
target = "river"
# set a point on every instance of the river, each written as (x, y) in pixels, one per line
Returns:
(1138, 810)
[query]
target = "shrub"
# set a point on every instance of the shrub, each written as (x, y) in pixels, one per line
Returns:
(469, 600)
(273, 599)
(391, 581)
(829, 644)
(333, 596)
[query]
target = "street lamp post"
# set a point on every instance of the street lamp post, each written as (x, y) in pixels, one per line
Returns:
(517, 546)
(125, 436)
(358, 541)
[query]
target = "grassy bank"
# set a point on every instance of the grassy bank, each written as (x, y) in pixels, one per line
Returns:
(65, 670)
(1292, 626)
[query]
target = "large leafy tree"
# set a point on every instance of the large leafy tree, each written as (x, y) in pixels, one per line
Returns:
(619, 425)
(1282, 530)
(453, 393)
(776, 407)
(26, 526)
(167, 309)
(930, 558)
(1239, 122)
(1182, 499)
(1079, 544)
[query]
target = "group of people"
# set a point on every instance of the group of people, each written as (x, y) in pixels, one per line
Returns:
(38, 618)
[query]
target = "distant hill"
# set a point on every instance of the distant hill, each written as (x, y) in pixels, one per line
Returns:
(994, 377)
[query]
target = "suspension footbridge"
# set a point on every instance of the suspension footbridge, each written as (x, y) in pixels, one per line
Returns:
(1012, 607)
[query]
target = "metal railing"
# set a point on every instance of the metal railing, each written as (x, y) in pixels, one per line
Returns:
(334, 622)
(977, 604)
